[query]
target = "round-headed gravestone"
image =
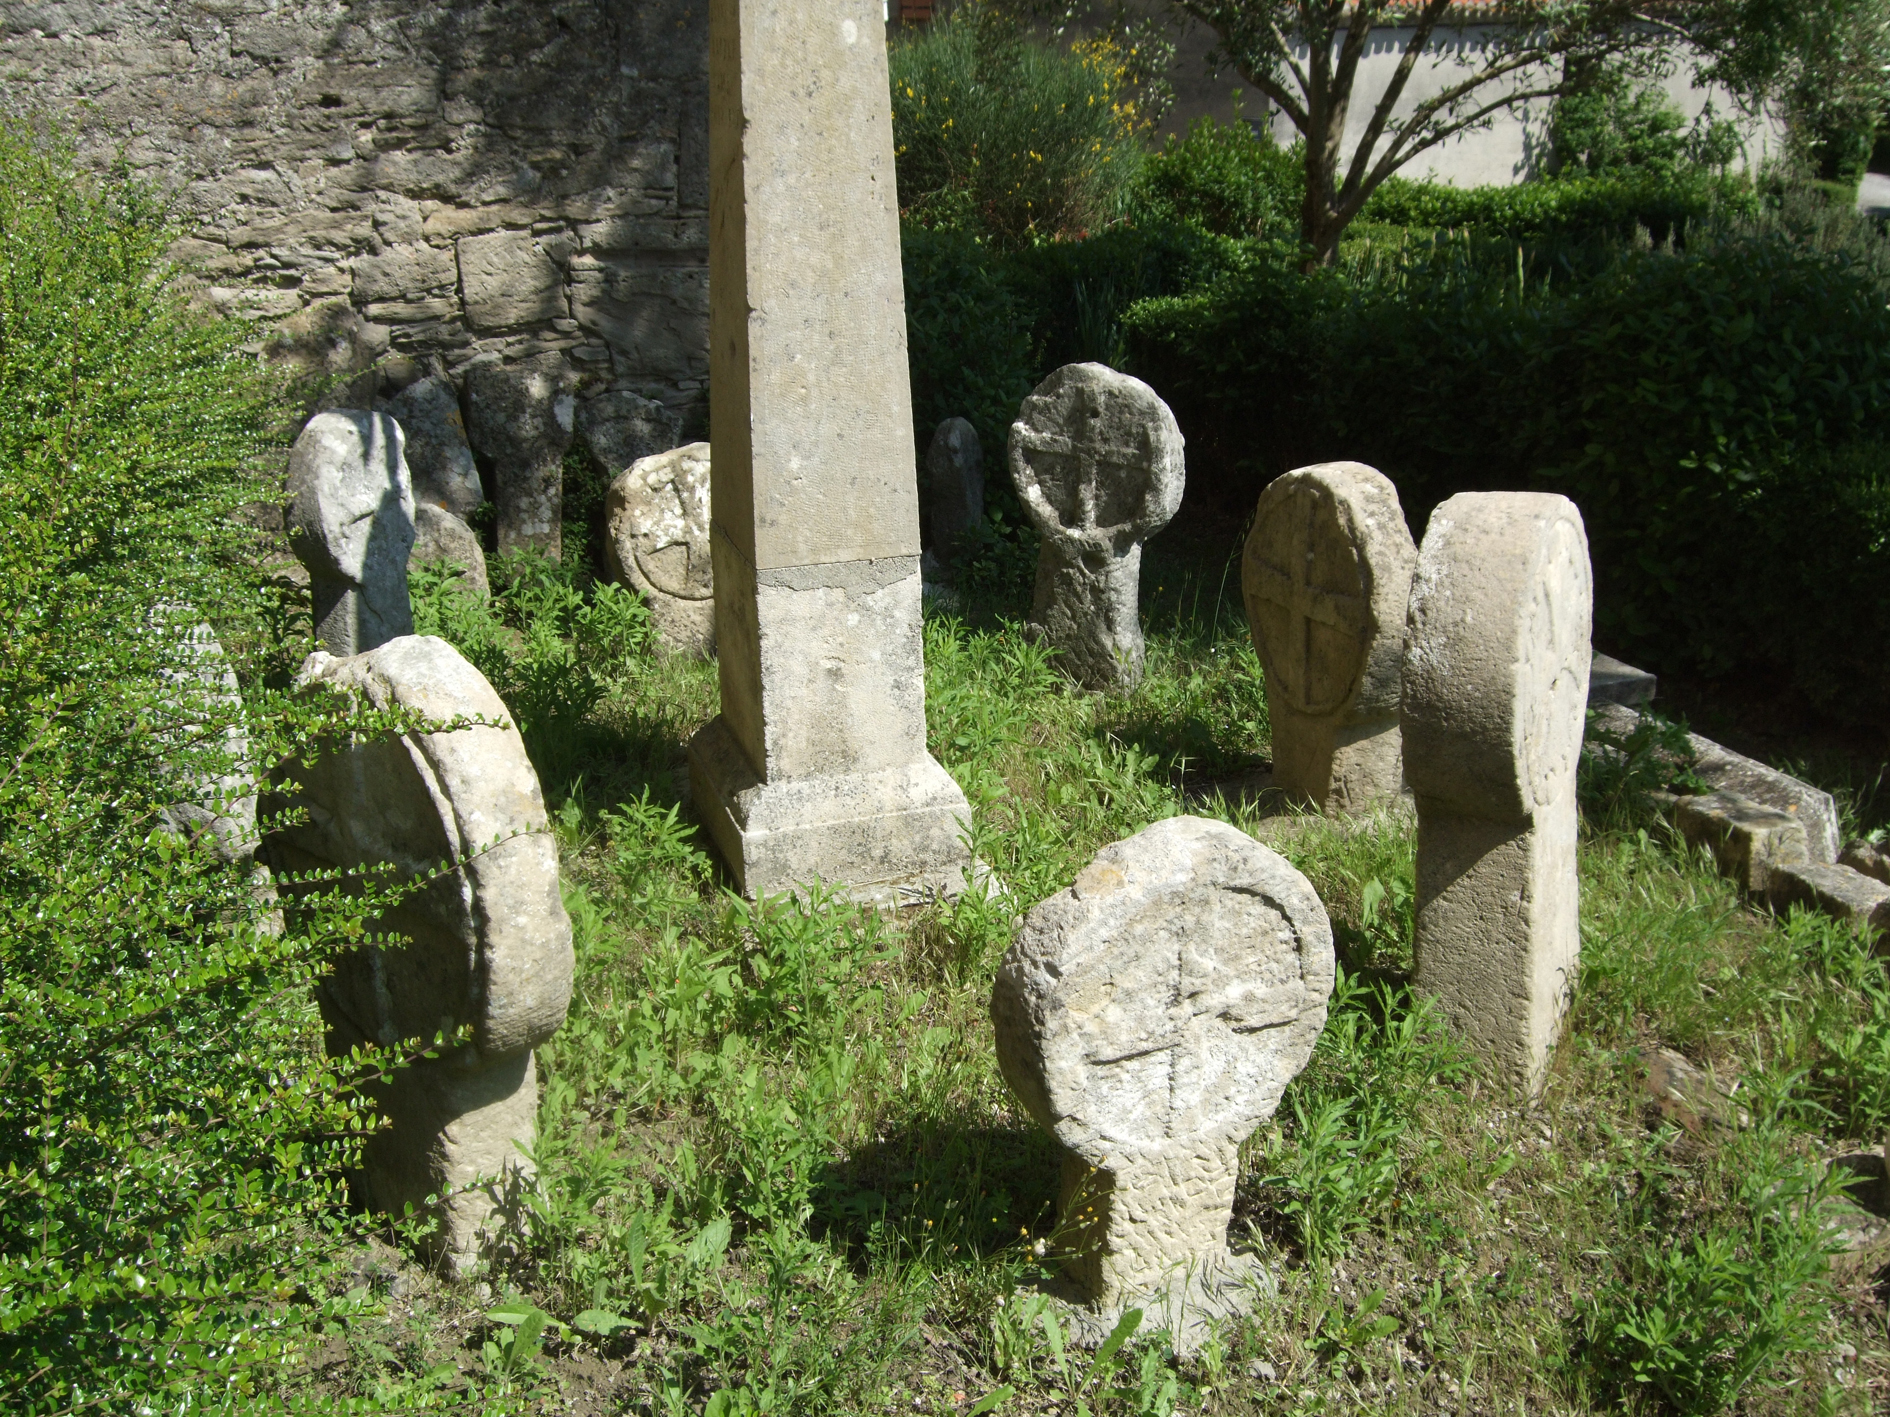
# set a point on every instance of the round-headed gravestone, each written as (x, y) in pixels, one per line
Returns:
(1097, 460)
(1150, 1017)
(1325, 574)
(657, 514)
(485, 942)
(1495, 691)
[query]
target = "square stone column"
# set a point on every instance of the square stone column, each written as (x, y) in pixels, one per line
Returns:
(817, 766)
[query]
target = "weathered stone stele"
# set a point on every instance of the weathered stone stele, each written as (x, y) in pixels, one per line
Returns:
(1495, 692)
(350, 520)
(490, 945)
(1326, 574)
(817, 765)
(620, 428)
(1097, 460)
(521, 417)
(1150, 1017)
(954, 492)
(218, 805)
(656, 520)
(438, 455)
(439, 536)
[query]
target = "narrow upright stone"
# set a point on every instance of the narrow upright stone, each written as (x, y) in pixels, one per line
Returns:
(1326, 574)
(438, 454)
(1097, 460)
(350, 517)
(817, 765)
(954, 491)
(1495, 689)
(1149, 1017)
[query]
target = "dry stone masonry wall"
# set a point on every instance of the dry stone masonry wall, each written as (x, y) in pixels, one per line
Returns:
(424, 183)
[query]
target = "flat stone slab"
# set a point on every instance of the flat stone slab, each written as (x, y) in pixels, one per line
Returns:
(1612, 682)
(1726, 771)
(1748, 839)
(1837, 891)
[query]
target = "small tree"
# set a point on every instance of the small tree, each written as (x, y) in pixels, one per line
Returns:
(1541, 49)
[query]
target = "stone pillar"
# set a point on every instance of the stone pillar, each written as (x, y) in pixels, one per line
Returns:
(485, 942)
(1326, 575)
(1494, 700)
(1150, 1017)
(1097, 460)
(817, 765)
(350, 518)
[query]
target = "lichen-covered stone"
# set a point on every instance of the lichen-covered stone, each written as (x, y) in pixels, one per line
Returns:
(1494, 694)
(438, 455)
(1150, 1017)
(489, 942)
(1326, 574)
(350, 522)
(954, 491)
(520, 418)
(656, 521)
(1096, 457)
(440, 537)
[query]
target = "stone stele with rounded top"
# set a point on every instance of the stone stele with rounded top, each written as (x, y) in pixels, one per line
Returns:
(1326, 573)
(1097, 460)
(488, 944)
(1150, 1017)
(350, 522)
(657, 518)
(1494, 704)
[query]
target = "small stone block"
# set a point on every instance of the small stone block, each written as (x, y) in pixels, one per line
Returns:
(1747, 838)
(1837, 891)
(1612, 682)
(1868, 858)
(1723, 770)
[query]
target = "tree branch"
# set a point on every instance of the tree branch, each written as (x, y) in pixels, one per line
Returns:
(1420, 40)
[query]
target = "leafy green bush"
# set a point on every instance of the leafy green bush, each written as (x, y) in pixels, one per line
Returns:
(1611, 123)
(1710, 410)
(1610, 204)
(1002, 136)
(1222, 178)
(170, 1168)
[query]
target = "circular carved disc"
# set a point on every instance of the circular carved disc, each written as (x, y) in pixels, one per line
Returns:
(658, 516)
(1307, 591)
(1164, 1001)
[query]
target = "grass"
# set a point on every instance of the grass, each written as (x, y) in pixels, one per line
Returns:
(781, 1174)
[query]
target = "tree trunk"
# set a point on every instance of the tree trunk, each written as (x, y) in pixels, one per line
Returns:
(1319, 225)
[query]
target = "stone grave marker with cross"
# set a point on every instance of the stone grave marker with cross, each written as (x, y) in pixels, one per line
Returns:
(1326, 573)
(1150, 1017)
(657, 518)
(1097, 460)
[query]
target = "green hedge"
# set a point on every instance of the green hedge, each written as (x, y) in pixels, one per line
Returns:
(1610, 205)
(1715, 413)
(170, 1167)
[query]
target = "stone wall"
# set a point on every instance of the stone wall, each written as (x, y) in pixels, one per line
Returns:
(410, 186)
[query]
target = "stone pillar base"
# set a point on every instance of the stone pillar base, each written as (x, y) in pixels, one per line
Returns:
(895, 837)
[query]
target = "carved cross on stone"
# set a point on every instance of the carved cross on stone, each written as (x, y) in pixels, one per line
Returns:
(1150, 1017)
(1096, 458)
(1326, 573)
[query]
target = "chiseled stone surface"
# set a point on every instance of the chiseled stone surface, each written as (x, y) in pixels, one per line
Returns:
(1726, 771)
(954, 491)
(1492, 712)
(1097, 460)
(350, 521)
(1326, 575)
(438, 455)
(1836, 891)
(441, 536)
(411, 180)
(490, 941)
(621, 428)
(522, 417)
(1748, 839)
(657, 522)
(816, 765)
(1150, 1017)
